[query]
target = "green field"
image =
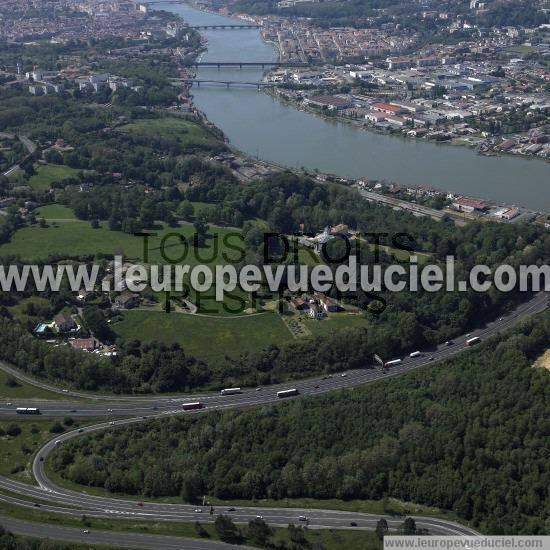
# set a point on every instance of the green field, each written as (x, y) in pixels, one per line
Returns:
(206, 338)
(333, 322)
(189, 133)
(11, 389)
(55, 212)
(78, 238)
(46, 174)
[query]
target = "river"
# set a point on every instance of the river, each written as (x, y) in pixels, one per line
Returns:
(264, 127)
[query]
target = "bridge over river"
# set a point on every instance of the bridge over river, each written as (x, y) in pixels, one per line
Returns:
(223, 83)
(228, 26)
(243, 64)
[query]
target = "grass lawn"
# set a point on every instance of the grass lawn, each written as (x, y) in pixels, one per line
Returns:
(78, 238)
(190, 133)
(333, 322)
(19, 310)
(11, 389)
(55, 212)
(206, 338)
(46, 174)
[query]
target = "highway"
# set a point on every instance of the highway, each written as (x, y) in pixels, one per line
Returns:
(111, 538)
(68, 502)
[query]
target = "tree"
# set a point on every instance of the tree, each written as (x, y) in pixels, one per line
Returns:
(381, 528)
(226, 529)
(57, 428)
(201, 232)
(296, 534)
(409, 527)
(13, 430)
(200, 530)
(97, 324)
(11, 382)
(258, 531)
(186, 210)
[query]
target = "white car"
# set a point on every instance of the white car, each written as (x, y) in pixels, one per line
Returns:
(198, 511)
(65, 391)
(259, 517)
(85, 531)
(111, 423)
(344, 374)
(302, 518)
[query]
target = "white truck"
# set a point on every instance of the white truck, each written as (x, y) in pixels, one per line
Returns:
(230, 391)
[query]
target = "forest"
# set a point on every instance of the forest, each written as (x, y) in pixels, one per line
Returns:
(469, 435)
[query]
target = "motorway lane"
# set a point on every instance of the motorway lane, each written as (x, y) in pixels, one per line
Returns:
(120, 539)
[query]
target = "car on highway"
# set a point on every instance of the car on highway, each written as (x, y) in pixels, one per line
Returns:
(36, 505)
(9, 404)
(431, 358)
(81, 430)
(65, 391)
(259, 517)
(140, 503)
(353, 524)
(86, 531)
(344, 374)
(41, 459)
(111, 423)
(258, 389)
(198, 511)
(57, 442)
(302, 518)
(449, 343)
(231, 509)
(155, 408)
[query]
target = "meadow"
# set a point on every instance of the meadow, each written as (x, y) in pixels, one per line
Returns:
(207, 338)
(46, 174)
(189, 133)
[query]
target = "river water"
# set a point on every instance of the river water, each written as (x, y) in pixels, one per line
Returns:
(266, 128)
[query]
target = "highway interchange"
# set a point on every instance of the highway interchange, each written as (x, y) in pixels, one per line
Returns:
(142, 408)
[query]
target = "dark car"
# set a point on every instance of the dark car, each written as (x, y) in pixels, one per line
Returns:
(353, 524)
